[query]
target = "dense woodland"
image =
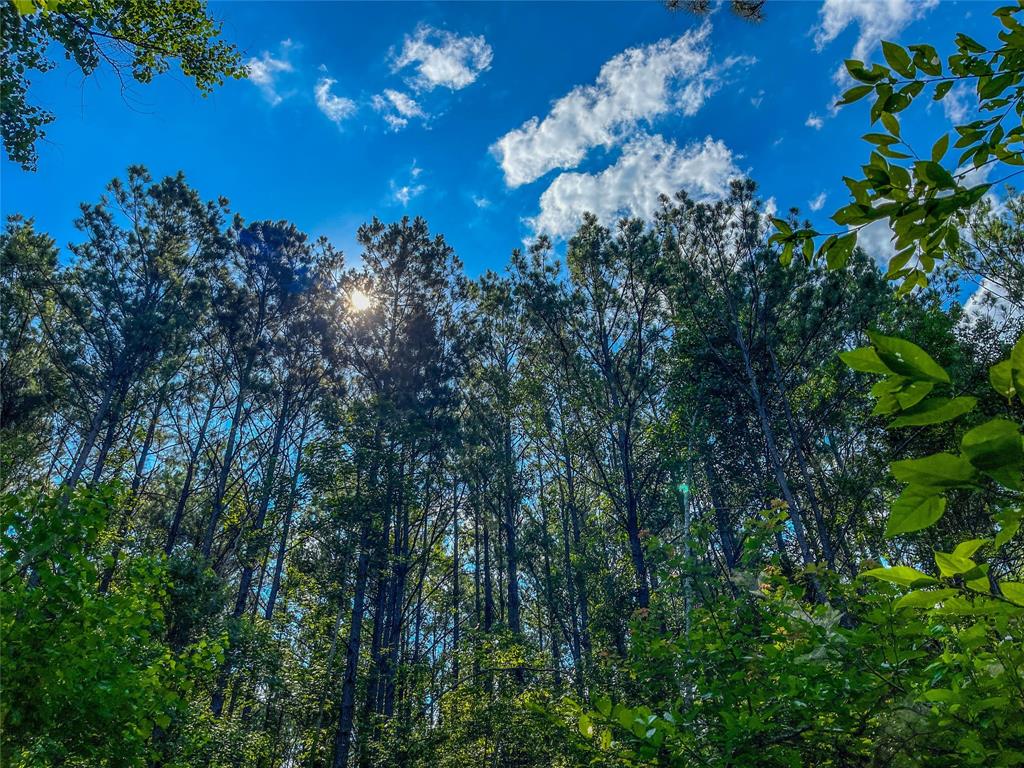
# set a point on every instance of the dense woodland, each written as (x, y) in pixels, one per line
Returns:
(617, 504)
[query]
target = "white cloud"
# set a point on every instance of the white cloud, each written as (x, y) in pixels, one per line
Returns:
(876, 240)
(990, 301)
(336, 108)
(956, 105)
(817, 203)
(264, 71)
(403, 193)
(442, 58)
(755, 101)
(397, 108)
(636, 85)
(648, 167)
(813, 121)
(876, 20)
(481, 202)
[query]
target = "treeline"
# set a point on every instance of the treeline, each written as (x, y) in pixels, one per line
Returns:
(266, 508)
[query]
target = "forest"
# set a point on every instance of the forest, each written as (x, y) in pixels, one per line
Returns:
(708, 488)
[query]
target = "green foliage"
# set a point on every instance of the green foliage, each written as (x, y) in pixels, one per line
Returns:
(926, 198)
(88, 678)
(138, 38)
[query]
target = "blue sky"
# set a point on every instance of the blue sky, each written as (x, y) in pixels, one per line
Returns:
(490, 120)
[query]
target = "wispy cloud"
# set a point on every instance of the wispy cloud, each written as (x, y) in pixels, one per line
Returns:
(402, 193)
(813, 121)
(265, 71)
(443, 59)
(397, 108)
(336, 108)
(818, 202)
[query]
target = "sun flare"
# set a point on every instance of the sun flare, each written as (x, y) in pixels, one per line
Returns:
(360, 300)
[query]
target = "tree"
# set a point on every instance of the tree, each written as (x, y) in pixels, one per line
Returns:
(140, 38)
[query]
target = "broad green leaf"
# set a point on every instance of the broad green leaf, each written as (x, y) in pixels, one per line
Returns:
(1017, 364)
(953, 565)
(586, 725)
(897, 58)
(921, 598)
(934, 410)
(995, 447)
(968, 548)
(907, 359)
(1000, 376)
(1009, 523)
(916, 508)
(1013, 591)
(940, 470)
(866, 360)
(903, 575)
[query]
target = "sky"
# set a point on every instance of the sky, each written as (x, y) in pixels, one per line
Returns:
(494, 121)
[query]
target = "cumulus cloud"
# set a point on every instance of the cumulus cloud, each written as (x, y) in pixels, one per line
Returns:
(443, 59)
(397, 108)
(265, 71)
(813, 121)
(336, 108)
(876, 20)
(636, 85)
(648, 167)
(817, 203)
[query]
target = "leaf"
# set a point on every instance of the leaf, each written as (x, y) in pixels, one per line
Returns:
(994, 446)
(940, 470)
(903, 575)
(934, 410)
(921, 598)
(1017, 363)
(854, 94)
(586, 726)
(1012, 591)
(1000, 376)
(939, 150)
(897, 58)
(953, 565)
(916, 508)
(1009, 524)
(968, 548)
(864, 359)
(907, 359)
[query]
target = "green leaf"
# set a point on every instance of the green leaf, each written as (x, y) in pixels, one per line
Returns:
(953, 565)
(1012, 591)
(903, 575)
(921, 598)
(994, 446)
(917, 507)
(968, 548)
(1017, 364)
(1009, 524)
(586, 726)
(934, 410)
(940, 470)
(1000, 376)
(865, 359)
(897, 58)
(940, 147)
(854, 94)
(907, 359)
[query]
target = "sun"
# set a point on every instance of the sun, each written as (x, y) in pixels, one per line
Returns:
(360, 300)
